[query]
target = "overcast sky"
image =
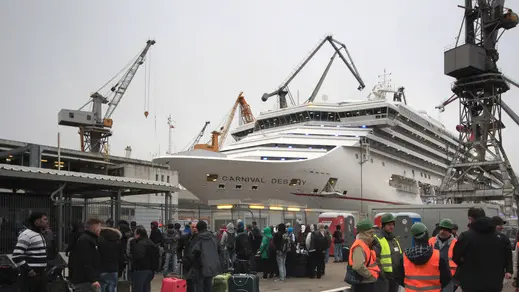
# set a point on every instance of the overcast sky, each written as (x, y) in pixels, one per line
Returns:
(56, 53)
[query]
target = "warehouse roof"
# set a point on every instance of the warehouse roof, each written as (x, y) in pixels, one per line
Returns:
(43, 180)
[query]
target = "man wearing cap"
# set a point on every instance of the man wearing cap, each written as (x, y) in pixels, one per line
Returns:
(421, 267)
(500, 225)
(388, 252)
(444, 242)
(363, 258)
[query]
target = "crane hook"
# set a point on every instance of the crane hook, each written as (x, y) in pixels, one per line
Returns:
(146, 113)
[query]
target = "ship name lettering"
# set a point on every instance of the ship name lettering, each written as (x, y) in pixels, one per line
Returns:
(259, 180)
(245, 179)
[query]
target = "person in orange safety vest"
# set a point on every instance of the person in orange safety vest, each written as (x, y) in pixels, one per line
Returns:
(444, 242)
(363, 259)
(422, 268)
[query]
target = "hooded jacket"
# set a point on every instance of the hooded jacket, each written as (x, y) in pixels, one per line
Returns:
(204, 256)
(264, 247)
(225, 235)
(481, 256)
(110, 250)
(420, 255)
(360, 258)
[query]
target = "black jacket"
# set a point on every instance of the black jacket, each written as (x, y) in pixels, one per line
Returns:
(110, 250)
(243, 246)
(482, 257)
(86, 264)
(156, 236)
(204, 256)
(184, 250)
(420, 254)
(145, 255)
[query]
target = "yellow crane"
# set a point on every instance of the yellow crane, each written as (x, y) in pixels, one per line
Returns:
(218, 137)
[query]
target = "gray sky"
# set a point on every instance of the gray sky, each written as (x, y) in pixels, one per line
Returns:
(55, 53)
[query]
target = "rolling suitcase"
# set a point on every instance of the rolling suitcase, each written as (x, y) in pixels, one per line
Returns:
(173, 285)
(244, 283)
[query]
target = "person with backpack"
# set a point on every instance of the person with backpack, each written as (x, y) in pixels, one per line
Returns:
(244, 254)
(170, 243)
(228, 245)
(282, 245)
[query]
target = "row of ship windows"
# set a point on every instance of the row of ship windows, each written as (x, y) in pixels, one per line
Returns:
(385, 148)
(333, 116)
(305, 116)
(422, 174)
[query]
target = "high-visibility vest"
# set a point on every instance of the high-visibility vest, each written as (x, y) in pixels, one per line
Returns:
(452, 264)
(419, 278)
(385, 254)
(371, 257)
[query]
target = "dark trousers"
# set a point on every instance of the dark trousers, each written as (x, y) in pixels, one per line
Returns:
(363, 287)
(204, 285)
(268, 268)
(319, 263)
(393, 285)
(311, 265)
(37, 283)
(141, 281)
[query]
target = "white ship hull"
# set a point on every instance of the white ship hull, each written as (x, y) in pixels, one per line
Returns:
(258, 181)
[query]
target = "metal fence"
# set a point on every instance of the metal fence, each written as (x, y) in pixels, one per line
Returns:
(16, 207)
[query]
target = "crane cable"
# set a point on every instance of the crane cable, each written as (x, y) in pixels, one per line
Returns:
(147, 83)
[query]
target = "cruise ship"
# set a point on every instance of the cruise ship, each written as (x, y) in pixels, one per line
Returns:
(341, 156)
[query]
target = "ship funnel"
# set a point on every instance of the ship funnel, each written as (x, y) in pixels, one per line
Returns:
(128, 150)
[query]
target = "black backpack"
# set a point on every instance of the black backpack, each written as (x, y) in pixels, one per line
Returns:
(231, 239)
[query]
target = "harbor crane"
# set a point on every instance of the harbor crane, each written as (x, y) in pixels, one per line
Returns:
(94, 128)
(283, 90)
(480, 169)
(197, 139)
(218, 137)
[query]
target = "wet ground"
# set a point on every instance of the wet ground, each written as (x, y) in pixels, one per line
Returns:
(334, 278)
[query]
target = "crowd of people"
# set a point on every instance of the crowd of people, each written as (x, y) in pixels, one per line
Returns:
(101, 254)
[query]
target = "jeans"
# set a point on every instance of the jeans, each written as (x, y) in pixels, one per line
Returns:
(281, 259)
(337, 252)
(170, 260)
(327, 255)
(109, 282)
(142, 280)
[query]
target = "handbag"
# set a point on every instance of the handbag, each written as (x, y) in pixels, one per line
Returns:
(352, 277)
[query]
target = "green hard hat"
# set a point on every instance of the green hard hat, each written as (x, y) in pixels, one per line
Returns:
(446, 223)
(364, 225)
(387, 218)
(418, 229)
